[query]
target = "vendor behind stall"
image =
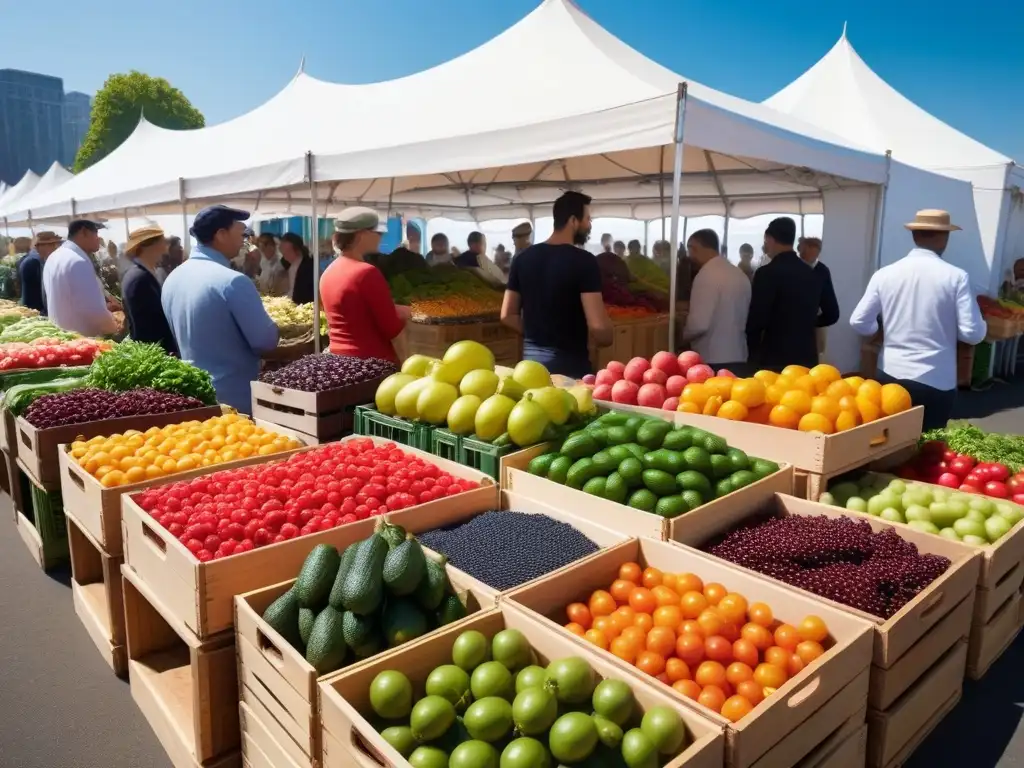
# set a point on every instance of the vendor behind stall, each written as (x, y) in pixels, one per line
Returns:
(298, 266)
(475, 259)
(140, 289)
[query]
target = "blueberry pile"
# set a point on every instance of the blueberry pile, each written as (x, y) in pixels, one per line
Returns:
(837, 558)
(78, 406)
(506, 549)
(317, 373)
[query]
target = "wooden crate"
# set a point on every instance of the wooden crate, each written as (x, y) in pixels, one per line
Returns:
(277, 682)
(633, 337)
(349, 739)
(12, 482)
(787, 725)
(8, 433)
(260, 745)
(186, 688)
(96, 592)
(40, 521)
(37, 448)
(434, 340)
(846, 747)
(990, 639)
(323, 415)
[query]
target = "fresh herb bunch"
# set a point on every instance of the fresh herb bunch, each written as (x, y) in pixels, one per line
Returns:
(134, 365)
(964, 437)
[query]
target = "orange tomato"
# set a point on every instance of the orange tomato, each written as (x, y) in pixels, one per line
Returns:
(809, 650)
(676, 670)
(661, 640)
(665, 596)
(797, 400)
(601, 604)
(650, 663)
(730, 631)
(770, 676)
(733, 411)
(712, 405)
(624, 649)
(757, 636)
(663, 678)
(710, 673)
(635, 636)
(693, 604)
(720, 386)
(575, 628)
(670, 580)
(806, 384)
(795, 371)
(767, 377)
(778, 656)
(688, 688)
(868, 409)
(895, 399)
(847, 420)
(651, 578)
(735, 708)
(748, 392)
(714, 592)
(761, 613)
(813, 628)
(794, 665)
(642, 600)
(787, 636)
(630, 572)
(626, 614)
(668, 616)
(596, 637)
(620, 590)
(710, 622)
(840, 389)
(773, 393)
(712, 697)
(578, 613)
(606, 625)
(751, 691)
(733, 608)
(620, 620)
(717, 648)
(783, 416)
(697, 394)
(690, 648)
(745, 651)
(738, 672)
(644, 621)
(815, 422)
(689, 407)
(691, 626)
(760, 414)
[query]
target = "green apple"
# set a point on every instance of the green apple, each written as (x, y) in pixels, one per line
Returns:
(917, 512)
(976, 541)
(892, 515)
(996, 527)
(985, 506)
(856, 504)
(923, 526)
(975, 515)
(843, 491)
(1011, 512)
(947, 513)
(827, 498)
(965, 526)
(898, 486)
(877, 503)
(949, 533)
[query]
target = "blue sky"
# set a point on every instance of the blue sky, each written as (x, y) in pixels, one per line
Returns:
(229, 56)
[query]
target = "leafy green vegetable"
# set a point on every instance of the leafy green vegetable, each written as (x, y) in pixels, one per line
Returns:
(32, 328)
(131, 365)
(42, 375)
(964, 437)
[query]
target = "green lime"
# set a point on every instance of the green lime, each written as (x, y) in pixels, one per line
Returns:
(694, 481)
(698, 460)
(720, 466)
(616, 488)
(742, 479)
(595, 486)
(671, 506)
(631, 470)
(559, 468)
(715, 444)
(738, 459)
(723, 488)
(694, 499)
(643, 500)
(762, 467)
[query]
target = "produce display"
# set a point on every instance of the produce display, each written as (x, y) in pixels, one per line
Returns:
(841, 559)
(494, 706)
(650, 465)
(709, 644)
(22, 388)
(1002, 309)
(444, 292)
(968, 440)
(50, 353)
(134, 365)
(967, 517)
(647, 274)
(378, 593)
(133, 456)
(462, 392)
(937, 463)
(261, 504)
(292, 319)
(506, 549)
(809, 399)
(11, 312)
(79, 406)
(29, 329)
(616, 312)
(319, 373)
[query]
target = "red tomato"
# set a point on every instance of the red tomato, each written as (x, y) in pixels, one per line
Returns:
(996, 489)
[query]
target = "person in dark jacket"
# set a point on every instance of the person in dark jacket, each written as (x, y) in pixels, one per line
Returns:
(140, 290)
(299, 263)
(30, 271)
(788, 303)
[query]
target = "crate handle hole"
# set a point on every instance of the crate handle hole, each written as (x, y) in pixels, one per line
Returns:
(24, 438)
(155, 541)
(934, 602)
(269, 649)
(805, 693)
(881, 439)
(365, 750)
(75, 477)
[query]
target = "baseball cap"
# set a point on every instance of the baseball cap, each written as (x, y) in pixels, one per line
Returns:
(522, 230)
(358, 219)
(213, 218)
(78, 225)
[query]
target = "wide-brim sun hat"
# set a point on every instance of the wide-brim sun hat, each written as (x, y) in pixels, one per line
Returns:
(932, 220)
(141, 235)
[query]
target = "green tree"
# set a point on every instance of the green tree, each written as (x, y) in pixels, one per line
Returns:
(119, 104)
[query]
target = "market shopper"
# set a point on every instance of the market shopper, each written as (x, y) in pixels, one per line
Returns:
(30, 271)
(502, 260)
(439, 251)
(554, 294)
(809, 251)
(619, 248)
(788, 302)
(362, 318)
(215, 313)
(522, 237)
(273, 277)
(140, 290)
(719, 301)
(925, 306)
(173, 258)
(746, 264)
(74, 295)
(298, 265)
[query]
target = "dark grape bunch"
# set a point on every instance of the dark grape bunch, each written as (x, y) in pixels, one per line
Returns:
(317, 373)
(78, 406)
(506, 549)
(837, 558)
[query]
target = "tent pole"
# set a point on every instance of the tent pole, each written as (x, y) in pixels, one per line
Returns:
(677, 180)
(880, 214)
(661, 190)
(646, 232)
(686, 226)
(186, 242)
(725, 234)
(315, 226)
(127, 234)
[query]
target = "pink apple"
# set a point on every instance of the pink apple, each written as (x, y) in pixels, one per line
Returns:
(606, 377)
(617, 368)
(625, 392)
(699, 373)
(687, 360)
(674, 385)
(726, 373)
(651, 396)
(590, 379)
(655, 376)
(603, 392)
(667, 362)
(635, 370)
(671, 404)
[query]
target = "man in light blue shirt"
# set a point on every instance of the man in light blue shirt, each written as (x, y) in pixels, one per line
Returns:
(215, 313)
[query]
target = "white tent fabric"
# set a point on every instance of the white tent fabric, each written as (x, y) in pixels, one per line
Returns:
(25, 185)
(843, 95)
(19, 209)
(530, 133)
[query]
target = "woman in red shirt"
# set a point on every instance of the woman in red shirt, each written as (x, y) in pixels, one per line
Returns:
(362, 318)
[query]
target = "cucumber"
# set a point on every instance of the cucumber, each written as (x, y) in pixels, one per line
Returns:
(393, 534)
(580, 445)
(363, 589)
(541, 464)
(347, 557)
(652, 434)
(659, 483)
(580, 472)
(404, 567)
(313, 585)
(559, 470)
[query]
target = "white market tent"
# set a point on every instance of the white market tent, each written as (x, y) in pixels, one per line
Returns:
(24, 186)
(20, 209)
(843, 95)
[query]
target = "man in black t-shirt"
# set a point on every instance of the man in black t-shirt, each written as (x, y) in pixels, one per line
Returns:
(554, 294)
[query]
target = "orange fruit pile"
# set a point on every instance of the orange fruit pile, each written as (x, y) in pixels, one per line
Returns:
(814, 399)
(709, 644)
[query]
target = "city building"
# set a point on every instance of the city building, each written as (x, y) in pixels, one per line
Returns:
(77, 108)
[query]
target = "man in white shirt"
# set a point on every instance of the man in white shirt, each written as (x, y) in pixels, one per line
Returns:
(719, 301)
(926, 305)
(74, 295)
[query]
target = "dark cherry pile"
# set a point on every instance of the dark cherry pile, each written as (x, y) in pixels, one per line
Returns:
(317, 373)
(78, 406)
(837, 558)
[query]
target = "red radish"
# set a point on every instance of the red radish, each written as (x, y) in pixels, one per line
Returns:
(655, 376)
(603, 392)
(997, 489)
(617, 368)
(725, 373)
(651, 396)
(671, 404)
(948, 480)
(675, 385)
(687, 360)
(590, 379)
(625, 392)
(667, 362)
(605, 376)
(699, 373)
(635, 370)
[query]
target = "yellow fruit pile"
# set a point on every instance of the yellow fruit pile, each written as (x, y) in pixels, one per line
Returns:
(135, 456)
(811, 400)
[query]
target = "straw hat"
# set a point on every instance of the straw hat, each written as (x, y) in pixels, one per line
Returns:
(48, 238)
(932, 220)
(141, 235)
